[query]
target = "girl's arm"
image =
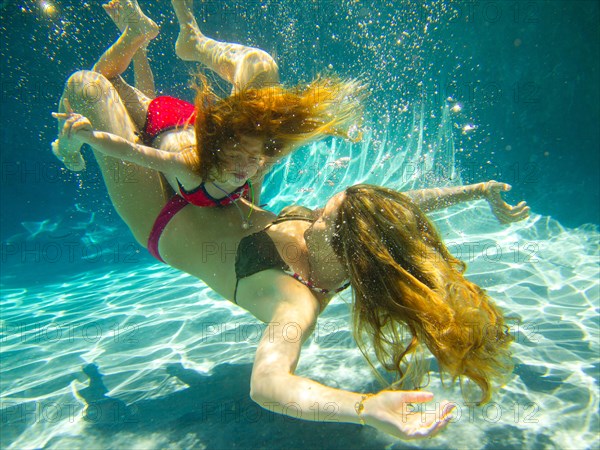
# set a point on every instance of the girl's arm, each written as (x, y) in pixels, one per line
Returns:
(439, 198)
(79, 130)
(173, 163)
(290, 311)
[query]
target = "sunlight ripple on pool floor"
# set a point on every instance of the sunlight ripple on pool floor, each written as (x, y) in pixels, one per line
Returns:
(134, 324)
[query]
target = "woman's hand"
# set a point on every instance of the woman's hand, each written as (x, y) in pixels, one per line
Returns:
(398, 413)
(505, 213)
(75, 132)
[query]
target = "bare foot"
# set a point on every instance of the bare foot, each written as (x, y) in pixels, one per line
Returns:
(127, 14)
(113, 9)
(189, 32)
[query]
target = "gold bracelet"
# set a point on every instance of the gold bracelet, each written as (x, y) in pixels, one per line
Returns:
(359, 407)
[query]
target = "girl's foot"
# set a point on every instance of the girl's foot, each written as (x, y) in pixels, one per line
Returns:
(127, 14)
(189, 32)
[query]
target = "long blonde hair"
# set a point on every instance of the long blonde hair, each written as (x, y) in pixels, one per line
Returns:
(285, 118)
(404, 279)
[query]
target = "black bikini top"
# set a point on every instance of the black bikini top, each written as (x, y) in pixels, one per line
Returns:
(257, 252)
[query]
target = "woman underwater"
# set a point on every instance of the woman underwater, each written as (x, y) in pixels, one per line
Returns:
(380, 240)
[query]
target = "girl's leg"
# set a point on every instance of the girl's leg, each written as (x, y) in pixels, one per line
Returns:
(137, 193)
(239, 65)
(123, 14)
(144, 78)
(134, 100)
(137, 30)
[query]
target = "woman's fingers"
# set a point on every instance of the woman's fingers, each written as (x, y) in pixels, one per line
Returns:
(435, 428)
(67, 105)
(520, 207)
(513, 213)
(504, 212)
(429, 425)
(522, 214)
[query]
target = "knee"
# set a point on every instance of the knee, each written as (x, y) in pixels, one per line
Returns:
(262, 67)
(87, 86)
(86, 77)
(266, 61)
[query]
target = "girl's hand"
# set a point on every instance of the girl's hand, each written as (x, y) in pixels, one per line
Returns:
(505, 213)
(398, 413)
(76, 126)
(74, 133)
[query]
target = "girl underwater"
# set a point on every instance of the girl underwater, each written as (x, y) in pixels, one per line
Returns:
(232, 140)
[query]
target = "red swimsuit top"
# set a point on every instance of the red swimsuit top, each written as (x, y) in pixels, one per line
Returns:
(167, 113)
(200, 197)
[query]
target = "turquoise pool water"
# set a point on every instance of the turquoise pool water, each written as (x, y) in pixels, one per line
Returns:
(175, 359)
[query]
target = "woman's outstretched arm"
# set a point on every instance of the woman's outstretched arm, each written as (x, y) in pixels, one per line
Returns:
(275, 387)
(439, 198)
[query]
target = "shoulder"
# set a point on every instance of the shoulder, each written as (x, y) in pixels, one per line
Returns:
(182, 153)
(297, 211)
(190, 156)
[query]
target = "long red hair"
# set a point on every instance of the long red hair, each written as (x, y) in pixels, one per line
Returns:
(284, 118)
